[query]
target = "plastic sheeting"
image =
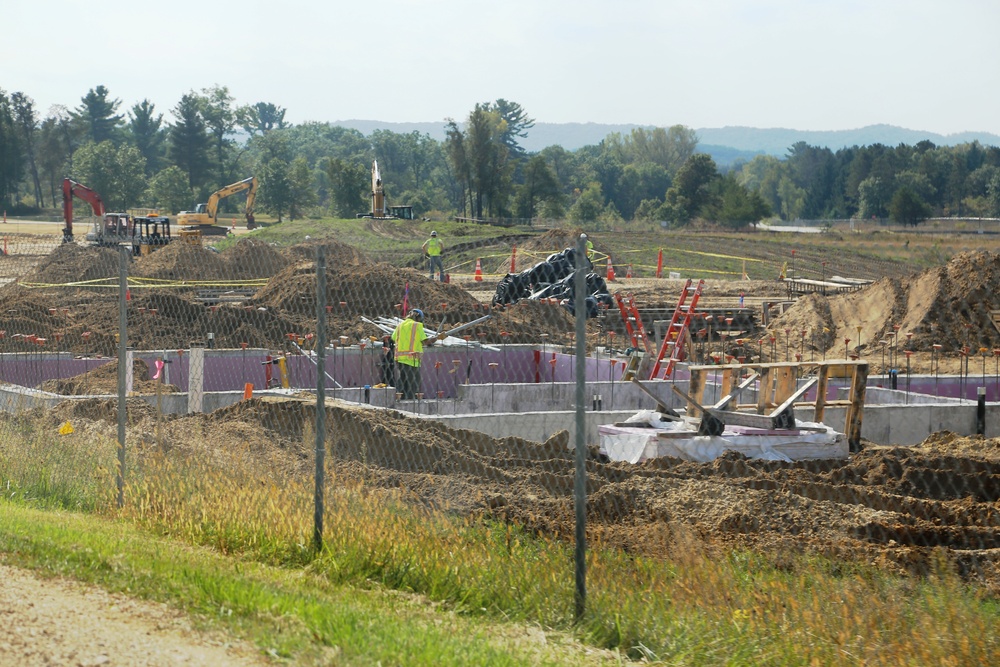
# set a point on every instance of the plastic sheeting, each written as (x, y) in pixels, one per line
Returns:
(653, 437)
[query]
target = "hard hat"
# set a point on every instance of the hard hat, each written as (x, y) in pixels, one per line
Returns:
(419, 313)
(434, 233)
(583, 236)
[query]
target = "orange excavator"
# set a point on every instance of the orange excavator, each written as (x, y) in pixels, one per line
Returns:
(111, 228)
(72, 189)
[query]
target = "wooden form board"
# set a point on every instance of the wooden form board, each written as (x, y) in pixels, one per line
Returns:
(778, 383)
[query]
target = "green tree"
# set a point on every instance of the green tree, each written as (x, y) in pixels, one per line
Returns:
(276, 193)
(540, 187)
(117, 174)
(96, 114)
(145, 129)
(94, 166)
(55, 150)
(169, 191)
(907, 208)
(261, 118)
(220, 120)
(188, 141)
(517, 124)
(481, 161)
(303, 194)
(26, 121)
(762, 175)
(736, 207)
(11, 151)
(792, 197)
(873, 198)
(691, 191)
(350, 187)
(589, 206)
(668, 148)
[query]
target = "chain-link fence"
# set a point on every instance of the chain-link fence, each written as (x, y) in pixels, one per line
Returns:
(481, 444)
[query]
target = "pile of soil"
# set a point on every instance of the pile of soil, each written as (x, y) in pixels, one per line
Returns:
(251, 258)
(336, 253)
(948, 306)
(900, 507)
(104, 380)
(181, 261)
(69, 263)
(552, 241)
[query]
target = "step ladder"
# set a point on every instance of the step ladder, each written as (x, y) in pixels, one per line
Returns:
(677, 332)
(636, 333)
(633, 322)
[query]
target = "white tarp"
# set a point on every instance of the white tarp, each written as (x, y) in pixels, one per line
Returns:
(643, 441)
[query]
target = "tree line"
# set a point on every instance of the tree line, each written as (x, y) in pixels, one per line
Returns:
(137, 158)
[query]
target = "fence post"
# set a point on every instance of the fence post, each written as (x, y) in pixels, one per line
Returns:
(122, 368)
(580, 477)
(320, 396)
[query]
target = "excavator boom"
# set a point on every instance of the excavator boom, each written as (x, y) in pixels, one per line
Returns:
(206, 214)
(73, 189)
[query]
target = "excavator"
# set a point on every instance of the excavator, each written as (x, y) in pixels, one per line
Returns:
(204, 219)
(110, 228)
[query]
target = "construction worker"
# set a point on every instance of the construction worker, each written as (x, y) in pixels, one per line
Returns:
(590, 247)
(410, 341)
(432, 248)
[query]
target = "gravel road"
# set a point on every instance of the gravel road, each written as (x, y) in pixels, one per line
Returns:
(60, 622)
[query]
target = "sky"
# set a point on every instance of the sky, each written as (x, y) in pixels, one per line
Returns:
(928, 65)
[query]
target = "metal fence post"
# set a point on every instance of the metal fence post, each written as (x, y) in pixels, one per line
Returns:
(580, 478)
(320, 396)
(122, 367)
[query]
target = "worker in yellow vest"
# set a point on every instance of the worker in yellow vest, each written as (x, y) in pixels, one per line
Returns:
(590, 247)
(409, 339)
(432, 248)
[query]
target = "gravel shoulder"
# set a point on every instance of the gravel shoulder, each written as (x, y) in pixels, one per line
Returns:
(63, 622)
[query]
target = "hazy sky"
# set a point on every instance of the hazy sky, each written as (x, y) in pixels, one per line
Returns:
(931, 65)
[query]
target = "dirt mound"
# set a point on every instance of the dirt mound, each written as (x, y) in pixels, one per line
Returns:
(252, 258)
(181, 261)
(899, 506)
(337, 253)
(104, 380)
(949, 306)
(551, 241)
(370, 290)
(70, 262)
(105, 411)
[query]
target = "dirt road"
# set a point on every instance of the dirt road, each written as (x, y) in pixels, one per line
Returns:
(60, 622)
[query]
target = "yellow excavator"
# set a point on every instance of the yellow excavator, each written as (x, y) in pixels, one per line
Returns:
(204, 217)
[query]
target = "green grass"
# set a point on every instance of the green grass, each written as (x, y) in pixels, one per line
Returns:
(695, 253)
(296, 614)
(225, 534)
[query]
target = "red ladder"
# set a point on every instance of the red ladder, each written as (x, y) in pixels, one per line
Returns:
(633, 322)
(674, 336)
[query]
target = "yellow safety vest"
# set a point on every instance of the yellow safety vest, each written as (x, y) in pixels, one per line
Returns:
(434, 246)
(409, 339)
(590, 249)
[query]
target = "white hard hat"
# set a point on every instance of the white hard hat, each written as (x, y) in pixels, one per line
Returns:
(434, 233)
(583, 236)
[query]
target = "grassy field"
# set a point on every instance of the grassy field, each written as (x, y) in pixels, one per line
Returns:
(698, 253)
(226, 537)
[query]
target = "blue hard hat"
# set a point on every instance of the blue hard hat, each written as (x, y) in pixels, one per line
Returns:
(419, 312)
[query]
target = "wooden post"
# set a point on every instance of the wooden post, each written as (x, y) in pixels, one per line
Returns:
(855, 411)
(823, 374)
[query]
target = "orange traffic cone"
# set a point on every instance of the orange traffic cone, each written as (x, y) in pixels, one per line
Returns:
(611, 270)
(628, 271)
(479, 271)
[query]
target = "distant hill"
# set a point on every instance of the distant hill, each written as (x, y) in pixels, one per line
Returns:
(724, 144)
